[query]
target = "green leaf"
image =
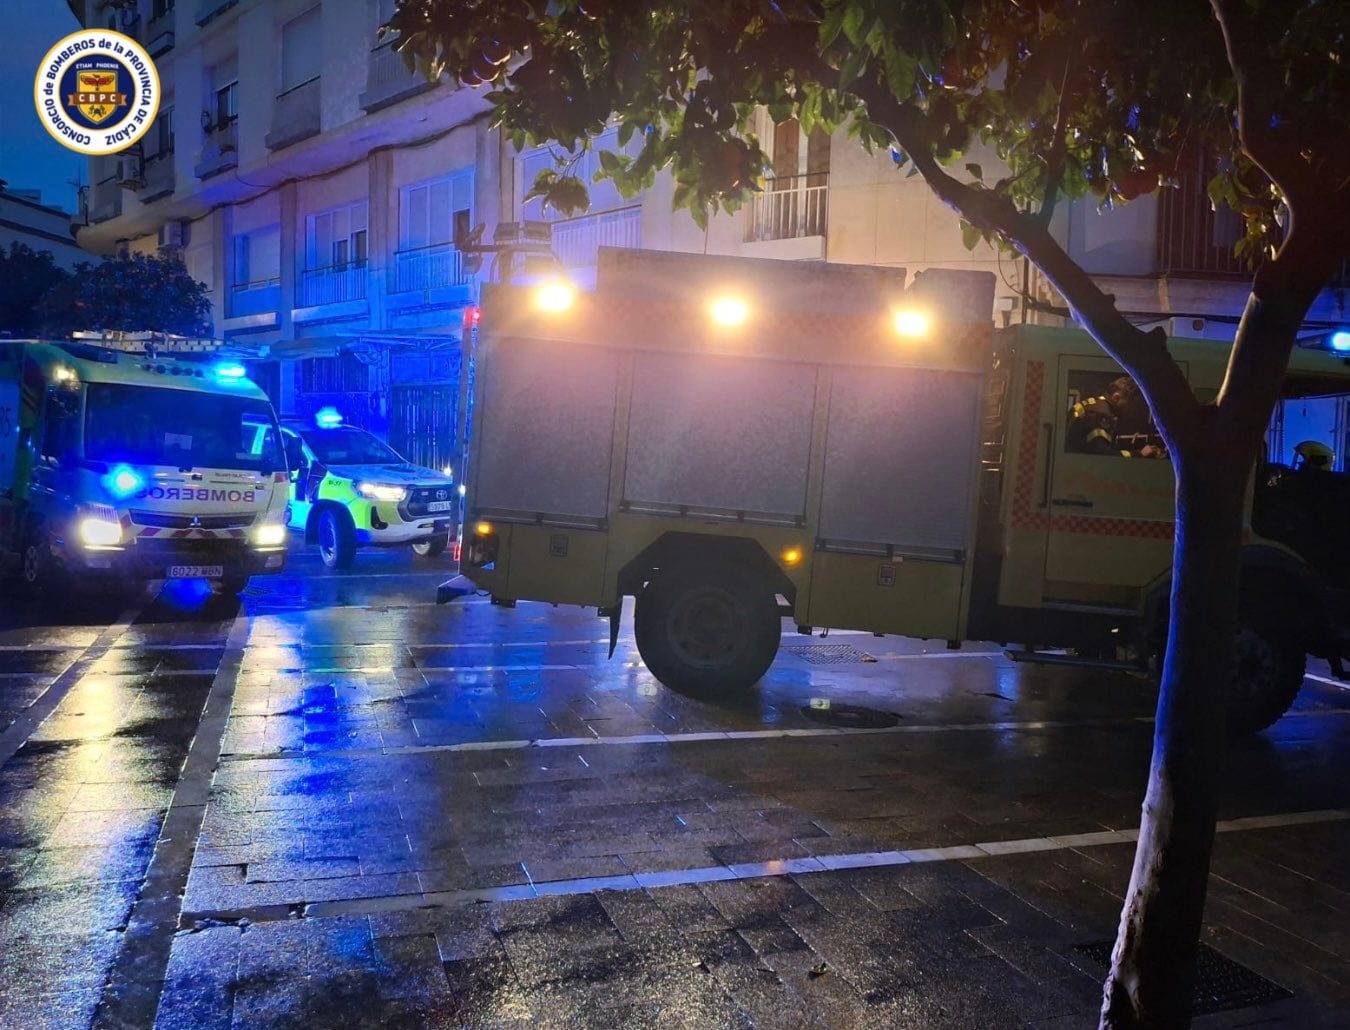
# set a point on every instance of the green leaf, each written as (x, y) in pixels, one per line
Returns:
(970, 235)
(976, 172)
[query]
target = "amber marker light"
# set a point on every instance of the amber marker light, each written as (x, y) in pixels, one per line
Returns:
(910, 323)
(483, 529)
(729, 311)
(792, 556)
(555, 297)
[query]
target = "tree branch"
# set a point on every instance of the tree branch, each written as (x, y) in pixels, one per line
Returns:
(1143, 354)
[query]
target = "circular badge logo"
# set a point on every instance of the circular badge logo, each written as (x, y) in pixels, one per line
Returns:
(97, 91)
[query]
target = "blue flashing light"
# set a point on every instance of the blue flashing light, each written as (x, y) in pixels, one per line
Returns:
(231, 370)
(327, 418)
(1340, 341)
(123, 481)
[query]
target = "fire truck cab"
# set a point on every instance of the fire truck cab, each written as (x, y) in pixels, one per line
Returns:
(731, 441)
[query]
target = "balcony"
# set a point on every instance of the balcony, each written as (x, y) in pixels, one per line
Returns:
(428, 268)
(295, 116)
(576, 241)
(220, 152)
(159, 177)
(260, 297)
(159, 34)
(105, 200)
(1194, 240)
(793, 207)
(209, 9)
(336, 284)
(388, 79)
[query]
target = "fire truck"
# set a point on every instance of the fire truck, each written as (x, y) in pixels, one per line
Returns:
(120, 465)
(732, 441)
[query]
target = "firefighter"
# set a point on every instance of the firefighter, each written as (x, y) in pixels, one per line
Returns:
(1313, 456)
(1116, 423)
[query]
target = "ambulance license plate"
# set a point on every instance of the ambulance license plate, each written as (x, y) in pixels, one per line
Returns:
(440, 505)
(196, 571)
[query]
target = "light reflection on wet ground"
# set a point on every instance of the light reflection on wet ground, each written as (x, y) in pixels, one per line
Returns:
(352, 775)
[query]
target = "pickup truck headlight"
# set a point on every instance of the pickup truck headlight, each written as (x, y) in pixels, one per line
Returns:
(97, 532)
(382, 492)
(271, 533)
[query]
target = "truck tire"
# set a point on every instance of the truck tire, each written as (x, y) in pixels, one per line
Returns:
(432, 548)
(40, 574)
(1268, 668)
(703, 628)
(337, 538)
(234, 583)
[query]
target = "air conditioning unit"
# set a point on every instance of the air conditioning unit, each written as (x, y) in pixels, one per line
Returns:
(129, 173)
(171, 234)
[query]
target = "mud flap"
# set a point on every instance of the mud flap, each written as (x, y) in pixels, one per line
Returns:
(454, 589)
(613, 613)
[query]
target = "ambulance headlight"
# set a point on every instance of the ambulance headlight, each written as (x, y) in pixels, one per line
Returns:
(96, 532)
(382, 492)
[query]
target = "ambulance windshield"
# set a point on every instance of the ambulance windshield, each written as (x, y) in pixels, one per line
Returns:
(145, 425)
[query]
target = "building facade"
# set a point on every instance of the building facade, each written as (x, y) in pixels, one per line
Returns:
(317, 187)
(25, 219)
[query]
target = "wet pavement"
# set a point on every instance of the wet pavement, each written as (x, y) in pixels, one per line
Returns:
(336, 804)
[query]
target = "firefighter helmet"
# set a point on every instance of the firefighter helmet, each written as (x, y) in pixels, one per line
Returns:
(1313, 454)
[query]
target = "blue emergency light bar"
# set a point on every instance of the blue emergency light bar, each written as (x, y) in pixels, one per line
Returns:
(1337, 341)
(327, 418)
(231, 370)
(123, 481)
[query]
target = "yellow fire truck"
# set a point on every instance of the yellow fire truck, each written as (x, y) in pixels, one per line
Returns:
(121, 467)
(733, 441)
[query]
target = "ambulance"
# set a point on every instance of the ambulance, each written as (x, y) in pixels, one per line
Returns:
(730, 442)
(120, 467)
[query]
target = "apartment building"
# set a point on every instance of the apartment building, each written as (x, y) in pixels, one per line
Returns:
(316, 186)
(25, 219)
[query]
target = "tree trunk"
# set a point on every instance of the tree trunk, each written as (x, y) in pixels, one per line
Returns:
(1153, 963)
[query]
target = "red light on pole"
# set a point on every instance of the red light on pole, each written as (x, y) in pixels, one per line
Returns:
(473, 314)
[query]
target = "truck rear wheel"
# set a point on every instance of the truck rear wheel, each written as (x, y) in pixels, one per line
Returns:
(40, 572)
(702, 628)
(337, 539)
(1268, 668)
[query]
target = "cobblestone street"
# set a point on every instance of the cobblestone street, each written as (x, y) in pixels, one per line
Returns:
(337, 804)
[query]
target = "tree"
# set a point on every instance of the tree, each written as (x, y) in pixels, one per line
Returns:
(25, 275)
(1076, 98)
(131, 294)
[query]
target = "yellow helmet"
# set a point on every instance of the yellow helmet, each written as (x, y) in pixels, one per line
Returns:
(1314, 454)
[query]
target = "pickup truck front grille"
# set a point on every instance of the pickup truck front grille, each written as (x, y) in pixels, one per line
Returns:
(421, 498)
(161, 520)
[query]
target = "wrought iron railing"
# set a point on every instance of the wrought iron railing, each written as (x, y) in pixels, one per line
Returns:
(577, 241)
(1193, 238)
(334, 284)
(790, 207)
(255, 298)
(296, 115)
(428, 268)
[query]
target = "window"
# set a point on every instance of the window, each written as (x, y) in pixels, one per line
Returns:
(227, 104)
(436, 212)
(163, 133)
(337, 238)
(58, 426)
(159, 8)
(301, 50)
(605, 195)
(1107, 415)
(794, 153)
(257, 258)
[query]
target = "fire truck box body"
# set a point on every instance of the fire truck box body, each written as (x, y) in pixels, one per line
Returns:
(867, 479)
(117, 465)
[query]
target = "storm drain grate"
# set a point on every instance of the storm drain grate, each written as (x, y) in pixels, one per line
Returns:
(830, 654)
(1220, 983)
(853, 717)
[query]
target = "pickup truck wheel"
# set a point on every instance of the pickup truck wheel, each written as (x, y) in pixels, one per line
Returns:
(234, 584)
(1267, 676)
(702, 628)
(432, 548)
(337, 539)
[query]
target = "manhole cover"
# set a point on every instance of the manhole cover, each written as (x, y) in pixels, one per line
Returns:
(830, 654)
(1220, 983)
(853, 717)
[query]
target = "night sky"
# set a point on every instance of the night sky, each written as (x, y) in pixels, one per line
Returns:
(29, 158)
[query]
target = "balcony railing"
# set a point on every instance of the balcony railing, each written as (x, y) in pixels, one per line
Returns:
(334, 284)
(295, 116)
(428, 268)
(576, 241)
(208, 9)
(159, 177)
(1193, 238)
(105, 200)
(388, 79)
(790, 208)
(220, 152)
(255, 298)
(159, 34)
